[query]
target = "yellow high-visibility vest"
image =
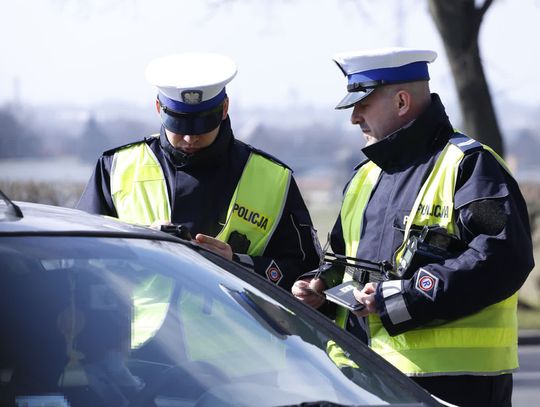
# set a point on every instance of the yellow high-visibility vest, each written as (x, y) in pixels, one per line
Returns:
(352, 214)
(138, 187)
(481, 343)
(140, 196)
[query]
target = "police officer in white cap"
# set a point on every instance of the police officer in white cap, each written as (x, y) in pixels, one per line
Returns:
(449, 321)
(234, 199)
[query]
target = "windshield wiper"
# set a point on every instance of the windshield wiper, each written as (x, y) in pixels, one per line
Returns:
(8, 208)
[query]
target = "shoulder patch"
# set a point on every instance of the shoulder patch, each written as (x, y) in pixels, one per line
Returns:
(273, 273)
(426, 283)
(465, 143)
(118, 148)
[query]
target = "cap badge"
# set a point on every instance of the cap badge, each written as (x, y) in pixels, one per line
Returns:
(191, 97)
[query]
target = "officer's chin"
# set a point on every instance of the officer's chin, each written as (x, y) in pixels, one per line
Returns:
(189, 150)
(370, 140)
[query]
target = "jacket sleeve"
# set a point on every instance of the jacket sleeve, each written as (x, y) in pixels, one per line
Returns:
(96, 197)
(493, 222)
(293, 248)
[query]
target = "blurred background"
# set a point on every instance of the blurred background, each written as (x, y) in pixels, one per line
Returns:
(72, 85)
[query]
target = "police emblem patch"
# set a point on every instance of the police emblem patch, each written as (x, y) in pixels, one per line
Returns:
(273, 273)
(427, 283)
(191, 97)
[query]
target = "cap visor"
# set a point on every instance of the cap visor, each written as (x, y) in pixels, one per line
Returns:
(353, 97)
(192, 124)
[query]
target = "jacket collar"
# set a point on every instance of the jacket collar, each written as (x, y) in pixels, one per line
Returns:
(211, 156)
(407, 145)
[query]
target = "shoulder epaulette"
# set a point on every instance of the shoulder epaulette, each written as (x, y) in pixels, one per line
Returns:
(265, 155)
(465, 143)
(118, 148)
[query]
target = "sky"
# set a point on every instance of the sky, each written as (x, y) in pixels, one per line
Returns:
(85, 52)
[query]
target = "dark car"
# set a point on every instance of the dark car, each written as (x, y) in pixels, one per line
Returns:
(96, 312)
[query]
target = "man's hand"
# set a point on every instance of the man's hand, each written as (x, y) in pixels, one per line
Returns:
(309, 292)
(367, 297)
(215, 245)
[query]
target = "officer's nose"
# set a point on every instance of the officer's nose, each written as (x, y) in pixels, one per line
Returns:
(356, 115)
(189, 138)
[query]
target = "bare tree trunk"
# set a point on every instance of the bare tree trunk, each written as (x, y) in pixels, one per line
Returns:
(458, 22)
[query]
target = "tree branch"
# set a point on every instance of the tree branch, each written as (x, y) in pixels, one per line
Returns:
(483, 8)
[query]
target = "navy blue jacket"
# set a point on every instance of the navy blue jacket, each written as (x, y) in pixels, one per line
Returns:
(201, 187)
(491, 215)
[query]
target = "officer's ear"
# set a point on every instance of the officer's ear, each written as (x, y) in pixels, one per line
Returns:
(158, 107)
(225, 108)
(403, 102)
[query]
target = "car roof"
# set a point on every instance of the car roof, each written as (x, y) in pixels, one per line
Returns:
(33, 218)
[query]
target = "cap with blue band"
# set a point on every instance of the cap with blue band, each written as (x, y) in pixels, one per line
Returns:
(191, 123)
(367, 70)
(182, 107)
(417, 71)
(191, 90)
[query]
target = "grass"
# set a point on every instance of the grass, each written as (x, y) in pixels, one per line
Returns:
(59, 194)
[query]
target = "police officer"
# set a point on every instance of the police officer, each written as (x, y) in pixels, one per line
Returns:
(451, 325)
(235, 199)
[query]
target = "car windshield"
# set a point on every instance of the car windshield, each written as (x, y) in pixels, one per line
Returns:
(90, 321)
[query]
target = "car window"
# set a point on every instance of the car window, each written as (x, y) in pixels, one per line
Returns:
(113, 321)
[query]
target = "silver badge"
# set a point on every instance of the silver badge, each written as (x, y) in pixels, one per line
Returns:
(191, 97)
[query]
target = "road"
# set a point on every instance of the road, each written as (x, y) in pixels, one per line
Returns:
(527, 379)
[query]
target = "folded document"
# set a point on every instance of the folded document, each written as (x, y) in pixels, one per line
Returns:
(343, 295)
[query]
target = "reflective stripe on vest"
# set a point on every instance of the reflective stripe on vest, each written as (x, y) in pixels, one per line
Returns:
(140, 195)
(257, 203)
(481, 343)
